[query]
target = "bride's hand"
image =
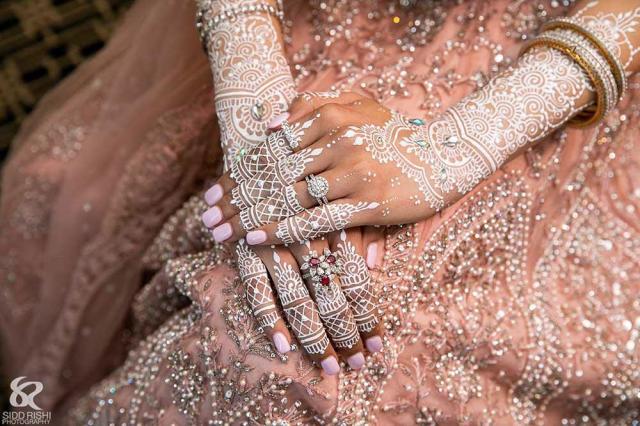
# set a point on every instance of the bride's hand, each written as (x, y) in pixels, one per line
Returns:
(359, 149)
(358, 163)
(333, 315)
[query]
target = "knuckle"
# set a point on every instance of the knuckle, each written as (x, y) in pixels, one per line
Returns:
(300, 101)
(361, 170)
(331, 114)
(237, 227)
(226, 205)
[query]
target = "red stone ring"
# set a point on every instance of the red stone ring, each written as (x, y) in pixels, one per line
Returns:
(320, 268)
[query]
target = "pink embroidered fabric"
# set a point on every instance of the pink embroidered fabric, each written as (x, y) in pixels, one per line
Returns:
(517, 305)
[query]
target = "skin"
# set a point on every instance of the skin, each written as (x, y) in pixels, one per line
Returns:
(357, 179)
(368, 242)
(259, 267)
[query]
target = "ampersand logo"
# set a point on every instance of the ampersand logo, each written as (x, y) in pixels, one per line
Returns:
(19, 398)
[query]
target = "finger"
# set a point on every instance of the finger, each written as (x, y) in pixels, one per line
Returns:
(324, 121)
(313, 223)
(275, 176)
(320, 267)
(264, 184)
(300, 310)
(276, 147)
(357, 287)
(306, 102)
(260, 297)
(295, 168)
(373, 241)
(278, 144)
(286, 202)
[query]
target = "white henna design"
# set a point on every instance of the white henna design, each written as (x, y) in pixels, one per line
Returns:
(321, 220)
(275, 149)
(251, 75)
(310, 95)
(282, 204)
(614, 29)
(334, 310)
(336, 315)
(477, 135)
(356, 285)
(259, 293)
(300, 310)
(285, 172)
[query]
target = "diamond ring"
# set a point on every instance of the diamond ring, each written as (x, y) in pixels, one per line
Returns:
(318, 188)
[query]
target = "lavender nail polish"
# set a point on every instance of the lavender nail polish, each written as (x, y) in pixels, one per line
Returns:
(212, 216)
(213, 195)
(372, 255)
(281, 343)
(222, 232)
(256, 237)
(356, 361)
(374, 344)
(330, 366)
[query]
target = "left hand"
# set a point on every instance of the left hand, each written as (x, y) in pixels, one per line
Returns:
(376, 163)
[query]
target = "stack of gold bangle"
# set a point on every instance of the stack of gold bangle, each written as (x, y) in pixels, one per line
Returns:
(591, 54)
(606, 51)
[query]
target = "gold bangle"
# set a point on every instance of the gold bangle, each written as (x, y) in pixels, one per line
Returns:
(616, 67)
(589, 115)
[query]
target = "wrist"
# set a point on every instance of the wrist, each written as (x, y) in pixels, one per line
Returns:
(252, 79)
(475, 137)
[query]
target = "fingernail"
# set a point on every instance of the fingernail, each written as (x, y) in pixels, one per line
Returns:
(212, 216)
(374, 344)
(278, 120)
(256, 237)
(222, 232)
(330, 366)
(372, 255)
(213, 194)
(282, 345)
(356, 361)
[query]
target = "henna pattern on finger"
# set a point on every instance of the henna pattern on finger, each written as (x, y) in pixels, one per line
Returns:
(310, 95)
(281, 205)
(321, 271)
(319, 221)
(285, 172)
(276, 148)
(299, 308)
(258, 291)
(356, 285)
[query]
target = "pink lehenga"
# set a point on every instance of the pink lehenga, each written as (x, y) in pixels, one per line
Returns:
(517, 305)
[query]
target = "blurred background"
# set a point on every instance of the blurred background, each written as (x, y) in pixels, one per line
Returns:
(41, 42)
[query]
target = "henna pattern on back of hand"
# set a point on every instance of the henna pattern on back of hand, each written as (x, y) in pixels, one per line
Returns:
(471, 140)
